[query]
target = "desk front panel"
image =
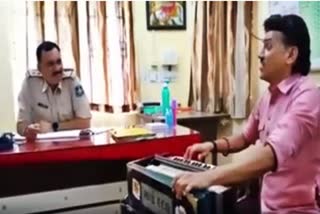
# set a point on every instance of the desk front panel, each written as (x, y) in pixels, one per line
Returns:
(45, 166)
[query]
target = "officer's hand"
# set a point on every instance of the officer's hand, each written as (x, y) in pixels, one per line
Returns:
(31, 131)
(201, 149)
(45, 126)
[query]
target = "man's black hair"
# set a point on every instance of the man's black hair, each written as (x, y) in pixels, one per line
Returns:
(295, 33)
(46, 46)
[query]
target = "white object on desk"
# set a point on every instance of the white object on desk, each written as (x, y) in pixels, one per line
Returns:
(155, 126)
(64, 134)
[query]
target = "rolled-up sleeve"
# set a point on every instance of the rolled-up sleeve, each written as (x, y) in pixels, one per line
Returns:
(298, 126)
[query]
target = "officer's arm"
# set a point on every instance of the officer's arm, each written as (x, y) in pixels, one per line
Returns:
(76, 123)
(258, 160)
(24, 112)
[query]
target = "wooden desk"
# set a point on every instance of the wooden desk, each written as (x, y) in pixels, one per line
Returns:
(99, 147)
(84, 171)
(205, 123)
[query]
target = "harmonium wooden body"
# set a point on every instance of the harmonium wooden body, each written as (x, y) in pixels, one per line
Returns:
(150, 189)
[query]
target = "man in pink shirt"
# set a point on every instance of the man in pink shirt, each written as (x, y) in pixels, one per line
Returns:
(283, 128)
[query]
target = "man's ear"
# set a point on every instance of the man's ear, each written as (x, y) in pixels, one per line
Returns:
(292, 55)
(38, 66)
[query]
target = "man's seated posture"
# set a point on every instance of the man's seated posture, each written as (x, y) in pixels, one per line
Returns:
(51, 101)
(283, 128)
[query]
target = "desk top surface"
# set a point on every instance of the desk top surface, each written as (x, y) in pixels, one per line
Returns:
(104, 146)
(102, 139)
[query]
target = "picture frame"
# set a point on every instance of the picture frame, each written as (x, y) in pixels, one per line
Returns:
(166, 15)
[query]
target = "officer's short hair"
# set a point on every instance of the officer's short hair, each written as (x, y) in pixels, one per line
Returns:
(46, 46)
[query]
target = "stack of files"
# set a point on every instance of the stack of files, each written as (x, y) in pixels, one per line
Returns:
(136, 132)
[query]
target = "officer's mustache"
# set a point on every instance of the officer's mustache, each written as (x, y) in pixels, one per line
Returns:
(55, 73)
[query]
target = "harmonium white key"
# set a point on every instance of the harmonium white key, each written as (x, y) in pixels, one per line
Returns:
(192, 163)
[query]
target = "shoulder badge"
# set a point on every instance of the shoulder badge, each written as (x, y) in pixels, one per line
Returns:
(79, 91)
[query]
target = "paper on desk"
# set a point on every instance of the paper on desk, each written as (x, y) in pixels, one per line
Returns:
(64, 134)
(18, 137)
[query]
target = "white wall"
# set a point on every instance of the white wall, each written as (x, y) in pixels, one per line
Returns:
(12, 55)
(149, 47)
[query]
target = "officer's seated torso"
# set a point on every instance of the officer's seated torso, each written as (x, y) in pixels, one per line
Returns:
(51, 105)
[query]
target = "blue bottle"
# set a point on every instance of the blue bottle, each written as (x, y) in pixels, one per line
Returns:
(169, 118)
(165, 98)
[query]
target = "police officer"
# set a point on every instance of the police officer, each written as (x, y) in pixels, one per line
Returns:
(51, 101)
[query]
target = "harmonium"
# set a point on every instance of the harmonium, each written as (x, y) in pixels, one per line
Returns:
(150, 189)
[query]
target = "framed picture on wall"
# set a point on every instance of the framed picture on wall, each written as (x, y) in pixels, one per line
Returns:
(166, 15)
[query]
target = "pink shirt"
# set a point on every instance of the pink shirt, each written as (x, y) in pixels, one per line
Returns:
(288, 118)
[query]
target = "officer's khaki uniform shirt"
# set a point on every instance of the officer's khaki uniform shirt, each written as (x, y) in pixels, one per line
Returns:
(38, 102)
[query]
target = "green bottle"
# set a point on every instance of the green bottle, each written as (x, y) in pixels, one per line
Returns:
(165, 98)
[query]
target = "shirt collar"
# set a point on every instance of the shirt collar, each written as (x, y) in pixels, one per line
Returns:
(285, 85)
(45, 86)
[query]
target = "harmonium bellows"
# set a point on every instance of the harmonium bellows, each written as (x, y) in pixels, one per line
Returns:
(150, 189)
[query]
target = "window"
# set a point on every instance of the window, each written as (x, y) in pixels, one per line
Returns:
(92, 38)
